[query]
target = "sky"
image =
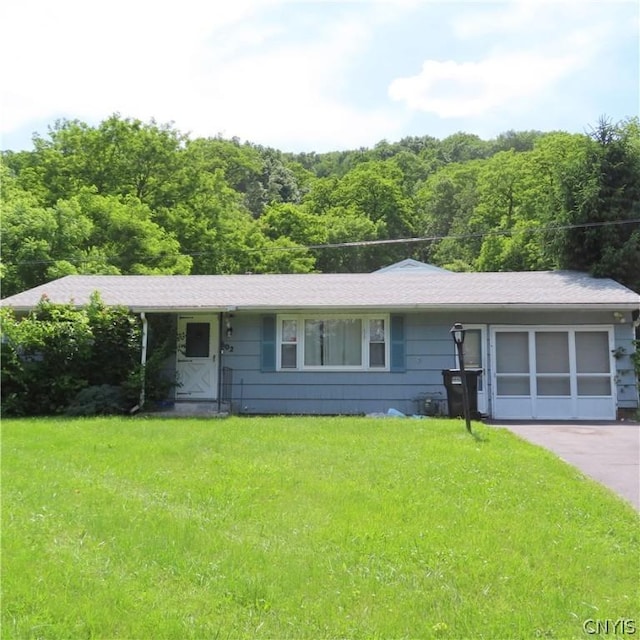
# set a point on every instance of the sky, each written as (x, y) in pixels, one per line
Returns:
(320, 76)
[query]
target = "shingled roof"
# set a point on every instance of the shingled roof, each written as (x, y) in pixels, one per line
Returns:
(379, 290)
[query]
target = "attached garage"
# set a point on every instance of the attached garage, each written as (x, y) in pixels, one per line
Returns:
(558, 373)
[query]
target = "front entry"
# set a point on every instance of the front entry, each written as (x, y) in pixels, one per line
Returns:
(475, 358)
(197, 353)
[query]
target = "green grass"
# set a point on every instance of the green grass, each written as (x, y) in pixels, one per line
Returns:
(303, 528)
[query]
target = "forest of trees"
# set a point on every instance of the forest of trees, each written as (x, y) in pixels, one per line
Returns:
(128, 197)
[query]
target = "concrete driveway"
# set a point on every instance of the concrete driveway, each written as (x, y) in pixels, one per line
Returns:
(608, 452)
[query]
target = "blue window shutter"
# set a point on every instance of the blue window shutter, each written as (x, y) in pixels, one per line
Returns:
(398, 363)
(268, 344)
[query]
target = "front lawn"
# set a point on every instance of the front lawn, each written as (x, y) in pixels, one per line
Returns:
(303, 528)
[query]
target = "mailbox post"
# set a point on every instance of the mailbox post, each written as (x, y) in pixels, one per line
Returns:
(458, 333)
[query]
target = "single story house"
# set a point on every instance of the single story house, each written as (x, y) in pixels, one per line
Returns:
(551, 345)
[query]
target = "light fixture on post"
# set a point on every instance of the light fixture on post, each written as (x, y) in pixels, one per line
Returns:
(457, 333)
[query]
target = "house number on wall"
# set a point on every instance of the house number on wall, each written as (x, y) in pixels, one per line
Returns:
(226, 347)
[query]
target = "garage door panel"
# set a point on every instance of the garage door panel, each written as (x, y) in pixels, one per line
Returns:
(596, 408)
(512, 352)
(514, 386)
(552, 352)
(553, 408)
(553, 386)
(592, 352)
(514, 408)
(594, 386)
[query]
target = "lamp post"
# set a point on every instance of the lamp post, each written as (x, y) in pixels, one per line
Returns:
(458, 333)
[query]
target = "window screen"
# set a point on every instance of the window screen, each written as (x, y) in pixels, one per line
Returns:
(198, 336)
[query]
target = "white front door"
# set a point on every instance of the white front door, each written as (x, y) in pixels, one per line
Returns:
(474, 350)
(197, 353)
(475, 357)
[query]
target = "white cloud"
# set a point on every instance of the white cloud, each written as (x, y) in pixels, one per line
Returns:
(529, 49)
(210, 67)
(452, 90)
(301, 74)
(293, 91)
(91, 59)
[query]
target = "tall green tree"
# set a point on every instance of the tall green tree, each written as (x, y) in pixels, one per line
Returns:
(444, 205)
(132, 241)
(121, 156)
(604, 196)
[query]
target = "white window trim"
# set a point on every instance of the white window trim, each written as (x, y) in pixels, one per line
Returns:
(364, 318)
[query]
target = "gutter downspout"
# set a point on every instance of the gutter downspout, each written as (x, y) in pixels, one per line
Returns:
(143, 363)
(220, 353)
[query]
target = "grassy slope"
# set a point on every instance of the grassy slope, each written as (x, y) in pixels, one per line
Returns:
(303, 528)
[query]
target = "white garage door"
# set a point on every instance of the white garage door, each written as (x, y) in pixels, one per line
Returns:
(553, 374)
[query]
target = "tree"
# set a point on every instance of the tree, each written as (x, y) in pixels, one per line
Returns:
(602, 195)
(375, 189)
(133, 243)
(516, 140)
(240, 167)
(462, 147)
(40, 243)
(444, 206)
(293, 222)
(134, 197)
(347, 225)
(123, 157)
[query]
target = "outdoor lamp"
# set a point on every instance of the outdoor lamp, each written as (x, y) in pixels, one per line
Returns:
(457, 333)
(229, 331)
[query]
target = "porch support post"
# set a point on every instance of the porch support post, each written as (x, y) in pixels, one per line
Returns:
(143, 358)
(220, 354)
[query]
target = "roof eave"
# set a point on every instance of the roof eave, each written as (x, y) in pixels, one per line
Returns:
(405, 307)
(601, 306)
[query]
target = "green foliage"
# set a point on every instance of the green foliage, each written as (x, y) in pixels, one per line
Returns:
(58, 350)
(444, 205)
(295, 223)
(116, 342)
(133, 197)
(635, 358)
(609, 193)
(97, 400)
(46, 354)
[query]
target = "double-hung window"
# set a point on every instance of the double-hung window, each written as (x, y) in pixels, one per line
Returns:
(333, 342)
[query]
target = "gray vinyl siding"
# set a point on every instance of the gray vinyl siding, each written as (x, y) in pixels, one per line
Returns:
(428, 350)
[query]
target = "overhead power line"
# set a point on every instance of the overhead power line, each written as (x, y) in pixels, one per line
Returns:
(373, 243)
(463, 236)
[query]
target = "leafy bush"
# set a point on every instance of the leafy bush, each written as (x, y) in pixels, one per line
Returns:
(635, 358)
(104, 399)
(45, 353)
(156, 377)
(57, 350)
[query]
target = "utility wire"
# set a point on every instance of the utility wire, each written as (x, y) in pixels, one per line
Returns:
(373, 243)
(464, 236)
